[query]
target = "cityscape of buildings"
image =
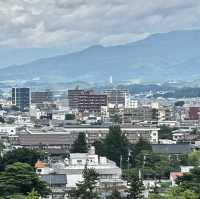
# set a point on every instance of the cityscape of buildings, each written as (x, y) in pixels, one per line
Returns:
(99, 99)
(42, 120)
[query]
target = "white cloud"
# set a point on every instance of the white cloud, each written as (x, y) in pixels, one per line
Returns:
(76, 24)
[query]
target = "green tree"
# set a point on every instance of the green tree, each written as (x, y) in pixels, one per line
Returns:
(142, 145)
(22, 155)
(116, 119)
(21, 178)
(175, 193)
(80, 144)
(15, 196)
(136, 187)
(190, 181)
(87, 188)
(115, 146)
(33, 195)
(194, 158)
(139, 150)
(156, 196)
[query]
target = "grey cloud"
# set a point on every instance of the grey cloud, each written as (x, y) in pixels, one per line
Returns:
(76, 24)
(70, 4)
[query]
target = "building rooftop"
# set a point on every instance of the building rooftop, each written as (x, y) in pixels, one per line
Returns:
(40, 164)
(172, 148)
(45, 139)
(108, 125)
(54, 179)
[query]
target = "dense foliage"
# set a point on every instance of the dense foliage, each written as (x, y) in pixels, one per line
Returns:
(188, 187)
(22, 155)
(136, 188)
(20, 178)
(32, 195)
(80, 144)
(176, 193)
(115, 146)
(190, 181)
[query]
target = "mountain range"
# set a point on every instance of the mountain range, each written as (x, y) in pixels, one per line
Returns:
(158, 58)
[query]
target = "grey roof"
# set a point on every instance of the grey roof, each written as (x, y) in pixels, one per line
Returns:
(54, 151)
(106, 126)
(74, 171)
(54, 179)
(45, 139)
(78, 155)
(172, 148)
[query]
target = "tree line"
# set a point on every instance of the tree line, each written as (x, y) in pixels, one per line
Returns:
(18, 179)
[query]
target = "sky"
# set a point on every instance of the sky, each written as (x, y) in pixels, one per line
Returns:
(76, 24)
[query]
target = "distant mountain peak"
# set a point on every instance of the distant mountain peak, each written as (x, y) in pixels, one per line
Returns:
(159, 57)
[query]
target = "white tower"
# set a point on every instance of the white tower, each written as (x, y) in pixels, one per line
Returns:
(111, 80)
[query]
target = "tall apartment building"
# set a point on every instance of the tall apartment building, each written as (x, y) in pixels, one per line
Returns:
(21, 98)
(73, 98)
(40, 97)
(91, 102)
(193, 112)
(86, 100)
(116, 96)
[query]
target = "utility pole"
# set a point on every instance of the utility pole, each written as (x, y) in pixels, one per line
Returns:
(120, 161)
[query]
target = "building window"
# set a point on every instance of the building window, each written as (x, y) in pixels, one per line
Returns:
(79, 161)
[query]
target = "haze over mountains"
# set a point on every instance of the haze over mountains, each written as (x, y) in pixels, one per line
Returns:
(17, 56)
(158, 58)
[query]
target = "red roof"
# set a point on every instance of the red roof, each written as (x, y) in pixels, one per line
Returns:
(174, 175)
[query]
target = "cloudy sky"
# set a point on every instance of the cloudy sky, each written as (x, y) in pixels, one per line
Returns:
(75, 24)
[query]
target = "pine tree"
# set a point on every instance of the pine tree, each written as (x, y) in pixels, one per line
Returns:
(136, 187)
(80, 145)
(115, 146)
(87, 188)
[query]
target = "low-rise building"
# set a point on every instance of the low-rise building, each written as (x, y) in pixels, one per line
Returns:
(72, 168)
(53, 142)
(184, 135)
(140, 114)
(133, 133)
(175, 149)
(7, 130)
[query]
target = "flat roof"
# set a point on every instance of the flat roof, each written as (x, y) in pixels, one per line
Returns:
(45, 139)
(182, 148)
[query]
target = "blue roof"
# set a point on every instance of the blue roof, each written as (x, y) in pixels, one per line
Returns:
(54, 179)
